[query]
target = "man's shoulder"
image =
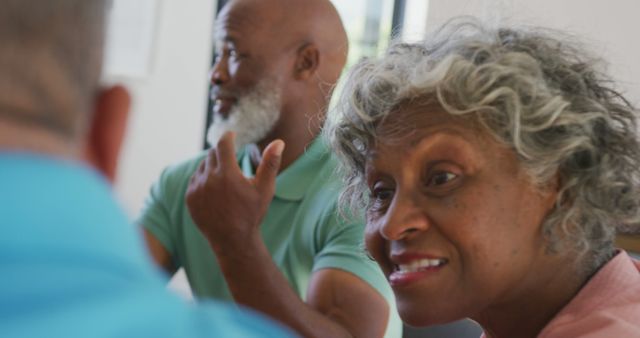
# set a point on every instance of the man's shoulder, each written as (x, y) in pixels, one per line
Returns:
(185, 167)
(322, 202)
(322, 167)
(168, 189)
(322, 184)
(177, 175)
(157, 309)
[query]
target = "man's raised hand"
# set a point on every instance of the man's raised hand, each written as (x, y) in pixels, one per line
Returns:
(226, 206)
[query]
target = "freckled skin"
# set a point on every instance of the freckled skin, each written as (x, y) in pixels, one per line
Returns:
(452, 192)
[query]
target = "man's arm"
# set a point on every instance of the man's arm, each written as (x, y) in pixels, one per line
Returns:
(339, 304)
(348, 300)
(228, 209)
(160, 255)
(155, 218)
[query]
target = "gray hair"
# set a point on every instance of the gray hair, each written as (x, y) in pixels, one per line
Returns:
(50, 61)
(532, 90)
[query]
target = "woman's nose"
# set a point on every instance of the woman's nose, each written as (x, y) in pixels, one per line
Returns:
(404, 218)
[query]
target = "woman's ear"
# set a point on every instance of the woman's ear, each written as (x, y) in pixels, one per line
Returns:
(107, 129)
(307, 61)
(552, 190)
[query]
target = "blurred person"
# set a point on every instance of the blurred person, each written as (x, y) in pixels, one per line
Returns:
(72, 266)
(495, 166)
(266, 233)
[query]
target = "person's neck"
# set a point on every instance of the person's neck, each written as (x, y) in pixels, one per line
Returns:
(295, 145)
(535, 302)
(297, 134)
(17, 138)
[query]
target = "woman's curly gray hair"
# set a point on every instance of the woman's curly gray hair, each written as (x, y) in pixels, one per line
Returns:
(532, 90)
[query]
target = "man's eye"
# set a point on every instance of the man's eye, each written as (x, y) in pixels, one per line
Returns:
(441, 178)
(234, 54)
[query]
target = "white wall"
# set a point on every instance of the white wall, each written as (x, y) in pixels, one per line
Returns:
(609, 27)
(167, 119)
(168, 116)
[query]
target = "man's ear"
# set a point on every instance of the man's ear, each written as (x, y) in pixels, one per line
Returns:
(107, 129)
(307, 61)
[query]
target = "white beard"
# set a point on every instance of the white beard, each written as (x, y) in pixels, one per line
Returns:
(251, 118)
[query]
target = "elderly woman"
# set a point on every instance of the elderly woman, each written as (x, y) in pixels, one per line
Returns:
(495, 167)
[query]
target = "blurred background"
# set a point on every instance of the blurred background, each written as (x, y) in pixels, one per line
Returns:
(162, 50)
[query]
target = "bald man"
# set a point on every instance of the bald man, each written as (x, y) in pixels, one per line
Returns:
(71, 264)
(255, 219)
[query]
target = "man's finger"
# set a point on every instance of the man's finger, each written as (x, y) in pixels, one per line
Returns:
(269, 167)
(199, 171)
(226, 151)
(202, 165)
(210, 162)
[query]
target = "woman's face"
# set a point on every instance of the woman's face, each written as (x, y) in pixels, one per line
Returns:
(454, 222)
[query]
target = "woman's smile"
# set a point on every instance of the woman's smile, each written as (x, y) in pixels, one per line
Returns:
(411, 268)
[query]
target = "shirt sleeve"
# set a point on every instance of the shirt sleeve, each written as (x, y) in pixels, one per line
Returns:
(342, 247)
(163, 209)
(155, 216)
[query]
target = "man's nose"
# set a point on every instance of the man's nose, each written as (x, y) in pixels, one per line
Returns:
(219, 72)
(404, 219)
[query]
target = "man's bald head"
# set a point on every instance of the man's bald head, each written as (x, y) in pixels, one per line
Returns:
(294, 23)
(50, 57)
(317, 22)
(281, 58)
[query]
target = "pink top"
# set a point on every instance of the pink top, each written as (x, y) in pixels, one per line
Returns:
(607, 306)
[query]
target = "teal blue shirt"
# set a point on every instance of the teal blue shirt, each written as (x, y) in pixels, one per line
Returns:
(302, 228)
(72, 266)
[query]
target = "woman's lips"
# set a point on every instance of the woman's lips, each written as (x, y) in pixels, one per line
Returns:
(409, 270)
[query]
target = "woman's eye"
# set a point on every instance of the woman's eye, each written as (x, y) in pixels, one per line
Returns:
(380, 198)
(441, 178)
(382, 194)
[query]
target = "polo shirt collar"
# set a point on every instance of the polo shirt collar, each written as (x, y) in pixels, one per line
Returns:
(292, 183)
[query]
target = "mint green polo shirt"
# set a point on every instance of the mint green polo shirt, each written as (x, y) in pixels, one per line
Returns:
(302, 228)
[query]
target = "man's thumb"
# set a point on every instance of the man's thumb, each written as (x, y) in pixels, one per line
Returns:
(269, 166)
